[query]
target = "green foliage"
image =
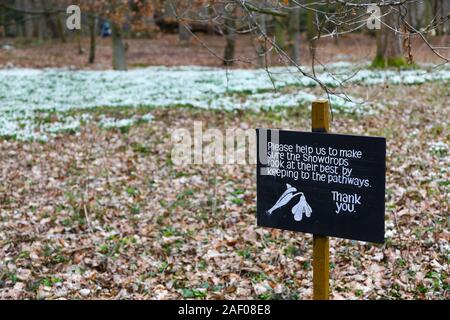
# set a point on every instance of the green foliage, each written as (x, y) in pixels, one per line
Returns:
(398, 62)
(245, 253)
(202, 264)
(140, 148)
(132, 191)
(169, 232)
(193, 293)
(238, 201)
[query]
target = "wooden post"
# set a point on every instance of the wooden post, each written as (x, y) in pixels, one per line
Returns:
(321, 244)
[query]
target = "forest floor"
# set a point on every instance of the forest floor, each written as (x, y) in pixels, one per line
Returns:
(93, 206)
(166, 50)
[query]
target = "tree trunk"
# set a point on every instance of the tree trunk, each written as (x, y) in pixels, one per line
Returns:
(92, 36)
(446, 8)
(294, 34)
(410, 14)
(60, 27)
(119, 54)
(184, 33)
(50, 23)
(230, 36)
(389, 49)
(35, 22)
(18, 19)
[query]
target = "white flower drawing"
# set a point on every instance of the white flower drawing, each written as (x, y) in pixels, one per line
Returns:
(302, 207)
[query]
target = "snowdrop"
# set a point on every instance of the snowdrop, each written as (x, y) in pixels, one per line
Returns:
(438, 148)
(28, 92)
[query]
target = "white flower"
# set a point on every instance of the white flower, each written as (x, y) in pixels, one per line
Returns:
(26, 91)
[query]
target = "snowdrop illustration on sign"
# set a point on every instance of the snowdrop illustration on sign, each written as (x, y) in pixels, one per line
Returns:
(302, 207)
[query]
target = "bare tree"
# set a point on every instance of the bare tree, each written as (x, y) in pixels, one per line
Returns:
(230, 33)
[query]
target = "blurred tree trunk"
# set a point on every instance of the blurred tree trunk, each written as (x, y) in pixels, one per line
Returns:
(51, 25)
(411, 13)
(446, 12)
(311, 30)
(261, 46)
(419, 12)
(119, 53)
(2, 22)
(35, 23)
(42, 29)
(15, 20)
(389, 49)
(294, 33)
(427, 14)
(29, 22)
(439, 12)
(26, 22)
(92, 36)
(280, 28)
(230, 36)
(60, 26)
(184, 33)
(54, 23)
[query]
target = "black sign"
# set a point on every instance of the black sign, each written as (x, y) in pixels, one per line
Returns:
(325, 184)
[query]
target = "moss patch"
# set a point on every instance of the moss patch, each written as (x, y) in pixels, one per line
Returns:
(398, 62)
